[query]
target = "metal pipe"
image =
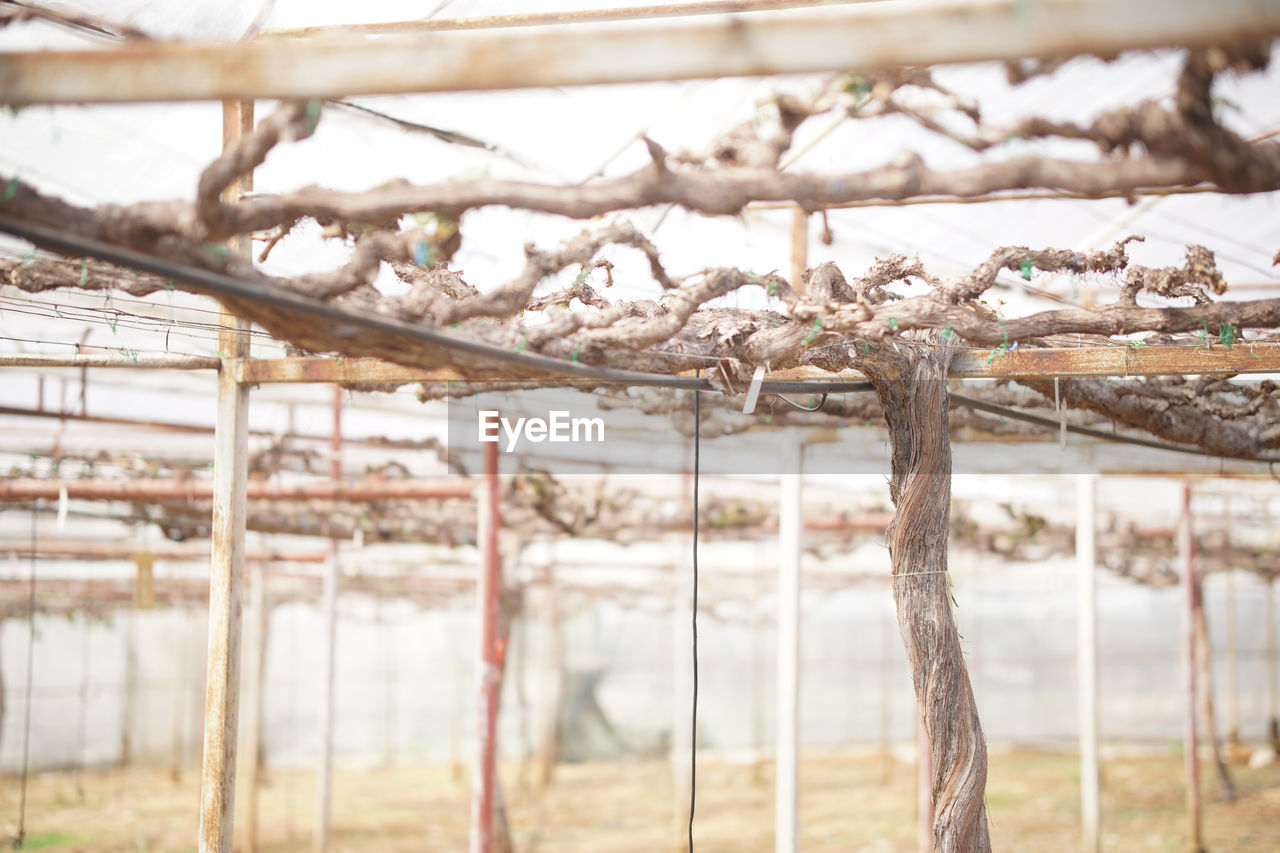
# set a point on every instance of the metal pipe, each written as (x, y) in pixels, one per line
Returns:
(142, 362)
(1087, 661)
(231, 474)
(842, 38)
(1190, 733)
(328, 649)
(200, 490)
(489, 666)
(790, 525)
(542, 19)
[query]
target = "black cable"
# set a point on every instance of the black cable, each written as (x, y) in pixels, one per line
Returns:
(693, 742)
(21, 838)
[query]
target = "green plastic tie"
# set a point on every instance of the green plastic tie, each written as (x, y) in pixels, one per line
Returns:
(576, 347)
(1026, 268)
(524, 340)
(893, 324)
(313, 114)
(813, 333)
(10, 191)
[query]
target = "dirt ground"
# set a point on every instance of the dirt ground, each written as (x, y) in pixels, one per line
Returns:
(848, 803)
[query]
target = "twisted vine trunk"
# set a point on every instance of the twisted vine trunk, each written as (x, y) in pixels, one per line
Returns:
(910, 381)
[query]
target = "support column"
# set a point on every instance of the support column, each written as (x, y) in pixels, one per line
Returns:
(1233, 694)
(324, 770)
(487, 668)
(788, 692)
(130, 689)
(1273, 705)
(230, 474)
(329, 613)
(251, 732)
(1087, 661)
(1190, 736)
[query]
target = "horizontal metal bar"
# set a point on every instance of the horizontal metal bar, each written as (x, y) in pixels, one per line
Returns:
(1118, 361)
(197, 490)
(852, 38)
(80, 550)
(142, 362)
(967, 364)
(542, 19)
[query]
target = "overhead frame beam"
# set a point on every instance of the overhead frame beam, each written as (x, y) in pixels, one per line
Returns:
(967, 364)
(843, 38)
(1027, 362)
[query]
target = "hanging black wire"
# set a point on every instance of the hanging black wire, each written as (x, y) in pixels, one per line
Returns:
(693, 742)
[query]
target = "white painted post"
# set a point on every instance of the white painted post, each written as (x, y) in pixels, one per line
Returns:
(1087, 660)
(1273, 704)
(1190, 732)
(488, 667)
(230, 478)
(328, 648)
(1233, 693)
(251, 731)
(788, 695)
(681, 693)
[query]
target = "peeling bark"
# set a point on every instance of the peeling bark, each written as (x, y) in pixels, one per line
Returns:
(911, 384)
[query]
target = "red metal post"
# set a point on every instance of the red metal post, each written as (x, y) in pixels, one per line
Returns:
(488, 664)
(1190, 736)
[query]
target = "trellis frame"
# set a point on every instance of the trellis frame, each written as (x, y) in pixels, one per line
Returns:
(842, 38)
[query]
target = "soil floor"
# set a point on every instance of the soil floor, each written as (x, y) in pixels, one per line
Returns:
(848, 802)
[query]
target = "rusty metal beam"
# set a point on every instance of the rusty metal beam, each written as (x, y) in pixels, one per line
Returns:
(170, 426)
(203, 490)
(226, 569)
(142, 362)
(967, 364)
(79, 550)
(860, 37)
(542, 19)
(1118, 361)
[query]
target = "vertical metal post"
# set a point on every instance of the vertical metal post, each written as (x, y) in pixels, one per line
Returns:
(251, 731)
(799, 246)
(324, 774)
(1087, 660)
(682, 679)
(1273, 703)
(924, 786)
(329, 613)
(482, 790)
(230, 473)
(130, 688)
(1190, 735)
(788, 691)
(1233, 693)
